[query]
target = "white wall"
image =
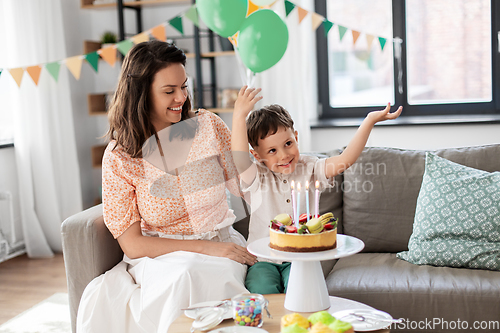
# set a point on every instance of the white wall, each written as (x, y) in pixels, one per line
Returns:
(420, 137)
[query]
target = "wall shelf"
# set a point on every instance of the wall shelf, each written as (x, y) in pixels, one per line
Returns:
(89, 4)
(90, 46)
(96, 104)
(97, 154)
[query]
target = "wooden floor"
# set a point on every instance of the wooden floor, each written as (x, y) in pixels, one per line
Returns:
(25, 282)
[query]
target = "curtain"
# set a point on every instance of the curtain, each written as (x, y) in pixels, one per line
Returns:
(292, 82)
(31, 32)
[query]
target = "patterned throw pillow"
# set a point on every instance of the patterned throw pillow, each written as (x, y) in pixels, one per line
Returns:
(457, 219)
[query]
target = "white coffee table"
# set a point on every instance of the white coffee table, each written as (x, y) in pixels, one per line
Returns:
(307, 291)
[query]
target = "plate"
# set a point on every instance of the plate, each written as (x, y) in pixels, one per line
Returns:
(238, 329)
(375, 319)
(192, 313)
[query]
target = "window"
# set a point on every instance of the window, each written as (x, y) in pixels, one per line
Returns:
(444, 59)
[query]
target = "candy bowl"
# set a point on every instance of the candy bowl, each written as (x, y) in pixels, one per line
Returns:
(247, 309)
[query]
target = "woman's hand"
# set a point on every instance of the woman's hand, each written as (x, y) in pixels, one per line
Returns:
(229, 250)
(246, 101)
(385, 114)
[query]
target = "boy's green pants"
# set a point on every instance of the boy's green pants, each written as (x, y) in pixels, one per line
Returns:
(267, 278)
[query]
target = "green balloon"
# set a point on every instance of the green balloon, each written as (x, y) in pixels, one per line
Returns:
(224, 17)
(262, 40)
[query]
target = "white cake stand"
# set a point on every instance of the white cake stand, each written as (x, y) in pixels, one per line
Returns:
(306, 291)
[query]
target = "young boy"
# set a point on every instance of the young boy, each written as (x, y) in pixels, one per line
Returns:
(271, 134)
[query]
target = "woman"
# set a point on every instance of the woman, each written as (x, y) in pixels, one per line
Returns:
(165, 171)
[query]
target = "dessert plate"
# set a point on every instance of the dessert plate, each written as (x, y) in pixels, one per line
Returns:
(373, 319)
(238, 329)
(193, 313)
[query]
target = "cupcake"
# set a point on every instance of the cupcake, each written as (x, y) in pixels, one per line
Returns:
(323, 317)
(319, 327)
(294, 318)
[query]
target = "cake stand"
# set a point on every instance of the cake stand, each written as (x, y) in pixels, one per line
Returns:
(306, 291)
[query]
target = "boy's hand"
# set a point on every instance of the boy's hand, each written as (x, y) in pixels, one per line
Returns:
(385, 114)
(246, 101)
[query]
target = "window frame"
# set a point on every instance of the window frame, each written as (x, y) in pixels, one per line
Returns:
(410, 111)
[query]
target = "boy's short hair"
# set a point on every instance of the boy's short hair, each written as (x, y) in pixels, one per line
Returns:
(266, 121)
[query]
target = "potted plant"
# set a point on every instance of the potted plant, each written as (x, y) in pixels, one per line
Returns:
(108, 38)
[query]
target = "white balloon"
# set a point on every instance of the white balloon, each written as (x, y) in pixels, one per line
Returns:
(261, 3)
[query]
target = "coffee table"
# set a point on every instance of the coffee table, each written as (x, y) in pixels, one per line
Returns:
(277, 309)
(306, 271)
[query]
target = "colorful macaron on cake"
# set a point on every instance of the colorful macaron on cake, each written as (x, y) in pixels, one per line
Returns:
(308, 235)
(318, 322)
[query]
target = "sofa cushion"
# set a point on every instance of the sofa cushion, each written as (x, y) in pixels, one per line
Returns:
(457, 219)
(381, 190)
(417, 293)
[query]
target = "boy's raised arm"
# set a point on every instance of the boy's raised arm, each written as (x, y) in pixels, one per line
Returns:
(239, 141)
(338, 164)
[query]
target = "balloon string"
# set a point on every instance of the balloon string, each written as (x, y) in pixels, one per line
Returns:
(241, 67)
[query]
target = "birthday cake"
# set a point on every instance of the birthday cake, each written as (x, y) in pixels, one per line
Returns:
(308, 235)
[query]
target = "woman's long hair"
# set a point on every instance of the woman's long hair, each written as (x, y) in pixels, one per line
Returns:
(130, 112)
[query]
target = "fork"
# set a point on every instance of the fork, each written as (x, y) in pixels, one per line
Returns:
(363, 318)
(216, 305)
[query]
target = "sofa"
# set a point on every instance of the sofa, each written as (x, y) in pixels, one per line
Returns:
(375, 201)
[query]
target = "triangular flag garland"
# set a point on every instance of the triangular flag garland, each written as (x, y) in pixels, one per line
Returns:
(124, 46)
(34, 72)
(93, 60)
(327, 25)
(109, 54)
(159, 33)
(53, 69)
(74, 65)
(17, 75)
(192, 14)
(176, 22)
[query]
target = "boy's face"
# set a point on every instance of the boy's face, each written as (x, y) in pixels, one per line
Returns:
(279, 151)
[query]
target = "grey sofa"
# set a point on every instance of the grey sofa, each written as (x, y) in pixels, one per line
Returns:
(375, 201)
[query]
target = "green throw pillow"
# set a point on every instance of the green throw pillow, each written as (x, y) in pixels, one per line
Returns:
(457, 219)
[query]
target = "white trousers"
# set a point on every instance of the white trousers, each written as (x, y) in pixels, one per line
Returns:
(146, 295)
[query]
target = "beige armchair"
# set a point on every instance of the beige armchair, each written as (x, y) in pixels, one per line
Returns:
(89, 250)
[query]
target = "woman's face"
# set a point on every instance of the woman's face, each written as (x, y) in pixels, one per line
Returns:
(168, 94)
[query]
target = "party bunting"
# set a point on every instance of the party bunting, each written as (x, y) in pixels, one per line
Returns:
(302, 13)
(108, 54)
(74, 65)
(327, 25)
(192, 14)
(124, 46)
(176, 22)
(355, 36)
(382, 42)
(342, 31)
(17, 75)
(158, 32)
(142, 37)
(316, 20)
(288, 7)
(369, 40)
(53, 69)
(34, 72)
(93, 60)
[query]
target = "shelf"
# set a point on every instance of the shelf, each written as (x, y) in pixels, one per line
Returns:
(220, 110)
(89, 4)
(212, 54)
(90, 46)
(97, 154)
(96, 104)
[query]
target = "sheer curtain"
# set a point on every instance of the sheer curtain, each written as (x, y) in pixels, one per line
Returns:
(292, 82)
(31, 32)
